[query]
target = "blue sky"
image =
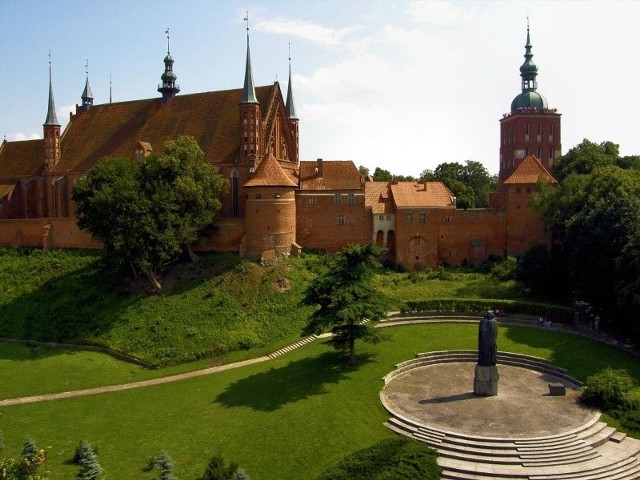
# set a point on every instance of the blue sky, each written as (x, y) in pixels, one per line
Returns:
(403, 85)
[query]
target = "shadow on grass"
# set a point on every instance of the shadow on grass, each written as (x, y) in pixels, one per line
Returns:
(29, 352)
(298, 380)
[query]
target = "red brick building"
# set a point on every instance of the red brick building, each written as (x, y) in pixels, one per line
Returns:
(276, 203)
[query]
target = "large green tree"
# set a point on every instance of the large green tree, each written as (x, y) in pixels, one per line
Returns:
(595, 215)
(471, 183)
(148, 211)
(347, 298)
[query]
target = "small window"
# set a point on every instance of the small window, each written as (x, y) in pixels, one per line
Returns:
(551, 130)
(258, 195)
(340, 219)
(416, 240)
(526, 129)
(423, 218)
(447, 220)
(408, 218)
(352, 199)
(381, 218)
(550, 155)
(526, 152)
(539, 153)
(336, 199)
(539, 131)
(312, 200)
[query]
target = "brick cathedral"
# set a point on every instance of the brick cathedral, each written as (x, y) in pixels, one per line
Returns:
(277, 204)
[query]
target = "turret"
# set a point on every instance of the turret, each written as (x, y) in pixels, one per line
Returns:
(87, 95)
(250, 115)
(51, 131)
(168, 87)
(291, 112)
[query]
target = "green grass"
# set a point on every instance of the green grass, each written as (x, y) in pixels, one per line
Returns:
(288, 418)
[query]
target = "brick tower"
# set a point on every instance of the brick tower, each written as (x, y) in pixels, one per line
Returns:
(531, 127)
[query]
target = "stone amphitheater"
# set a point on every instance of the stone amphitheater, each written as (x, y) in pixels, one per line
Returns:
(522, 433)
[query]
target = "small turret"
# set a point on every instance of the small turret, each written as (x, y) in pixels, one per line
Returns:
(250, 116)
(529, 98)
(168, 87)
(87, 95)
(248, 90)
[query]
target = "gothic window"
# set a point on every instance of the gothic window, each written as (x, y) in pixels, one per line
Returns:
(234, 194)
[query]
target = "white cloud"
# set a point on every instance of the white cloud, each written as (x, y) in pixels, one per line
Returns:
(435, 12)
(18, 137)
(312, 32)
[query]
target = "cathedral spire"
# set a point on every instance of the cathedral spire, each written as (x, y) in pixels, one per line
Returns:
(248, 91)
(168, 87)
(51, 109)
(87, 95)
(291, 109)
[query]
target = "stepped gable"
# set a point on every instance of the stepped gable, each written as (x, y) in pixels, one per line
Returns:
(376, 196)
(113, 129)
(427, 194)
(529, 172)
(329, 175)
(270, 174)
(21, 159)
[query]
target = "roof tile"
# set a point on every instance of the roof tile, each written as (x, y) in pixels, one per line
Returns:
(336, 175)
(427, 194)
(529, 171)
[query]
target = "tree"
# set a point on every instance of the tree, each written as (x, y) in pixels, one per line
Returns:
(164, 463)
(364, 171)
(380, 175)
(346, 297)
(88, 460)
(471, 183)
(147, 212)
(585, 157)
(217, 469)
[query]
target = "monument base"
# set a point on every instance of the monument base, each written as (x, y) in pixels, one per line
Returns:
(485, 382)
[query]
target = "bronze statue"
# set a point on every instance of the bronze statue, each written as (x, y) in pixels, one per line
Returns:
(487, 341)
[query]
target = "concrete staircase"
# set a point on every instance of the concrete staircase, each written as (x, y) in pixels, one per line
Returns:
(293, 346)
(590, 452)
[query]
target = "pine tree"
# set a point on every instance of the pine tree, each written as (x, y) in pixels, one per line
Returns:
(164, 463)
(217, 469)
(240, 475)
(87, 459)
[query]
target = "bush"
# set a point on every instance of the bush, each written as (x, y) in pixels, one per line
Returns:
(608, 389)
(389, 459)
(217, 469)
(164, 463)
(505, 269)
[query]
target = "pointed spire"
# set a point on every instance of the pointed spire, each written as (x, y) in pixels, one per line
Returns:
(87, 95)
(248, 91)
(291, 109)
(110, 96)
(528, 70)
(51, 109)
(168, 87)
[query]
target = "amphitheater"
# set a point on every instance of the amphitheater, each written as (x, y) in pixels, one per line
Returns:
(522, 433)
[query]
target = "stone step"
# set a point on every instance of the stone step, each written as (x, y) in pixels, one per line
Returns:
(621, 469)
(293, 346)
(577, 458)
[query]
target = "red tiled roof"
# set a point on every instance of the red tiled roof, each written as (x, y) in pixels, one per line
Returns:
(21, 159)
(336, 175)
(376, 196)
(528, 172)
(113, 129)
(428, 194)
(270, 174)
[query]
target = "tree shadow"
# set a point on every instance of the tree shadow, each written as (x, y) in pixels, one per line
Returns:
(298, 380)
(31, 351)
(450, 398)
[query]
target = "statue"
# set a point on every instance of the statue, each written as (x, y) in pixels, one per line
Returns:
(487, 341)
(486, 378)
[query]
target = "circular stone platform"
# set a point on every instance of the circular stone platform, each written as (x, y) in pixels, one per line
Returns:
(441, 396)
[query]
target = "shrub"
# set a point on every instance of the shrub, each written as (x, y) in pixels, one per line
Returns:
(164, 463)
(505, 269)
(240, 475)
(389, 459)
(608, 389)
(217, 469)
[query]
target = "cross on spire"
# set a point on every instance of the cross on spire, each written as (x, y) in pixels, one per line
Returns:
(168, 38)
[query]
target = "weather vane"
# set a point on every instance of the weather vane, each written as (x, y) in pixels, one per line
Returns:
(86, 67)
(167, 32)
(246, 19)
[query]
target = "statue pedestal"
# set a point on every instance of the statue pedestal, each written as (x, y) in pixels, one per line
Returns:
(485, 382)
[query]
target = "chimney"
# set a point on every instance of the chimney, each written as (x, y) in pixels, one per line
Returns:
(319, 168)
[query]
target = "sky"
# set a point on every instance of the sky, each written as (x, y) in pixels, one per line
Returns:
(400, 85)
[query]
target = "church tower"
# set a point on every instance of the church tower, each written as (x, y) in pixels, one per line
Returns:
(168, 87)
(250, 116)
(531, 127)
(51, 131)
(87, 94)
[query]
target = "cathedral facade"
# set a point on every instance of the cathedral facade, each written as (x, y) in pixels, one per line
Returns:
(277, 204)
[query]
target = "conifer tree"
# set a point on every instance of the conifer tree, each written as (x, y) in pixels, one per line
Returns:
(164, 463)
(87, 459)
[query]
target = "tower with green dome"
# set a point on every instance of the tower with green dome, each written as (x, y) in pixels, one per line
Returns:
(530, 127)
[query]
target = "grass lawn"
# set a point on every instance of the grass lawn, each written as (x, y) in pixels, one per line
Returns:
(289, 418)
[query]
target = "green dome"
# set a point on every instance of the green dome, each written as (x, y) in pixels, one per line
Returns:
(529, 99)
